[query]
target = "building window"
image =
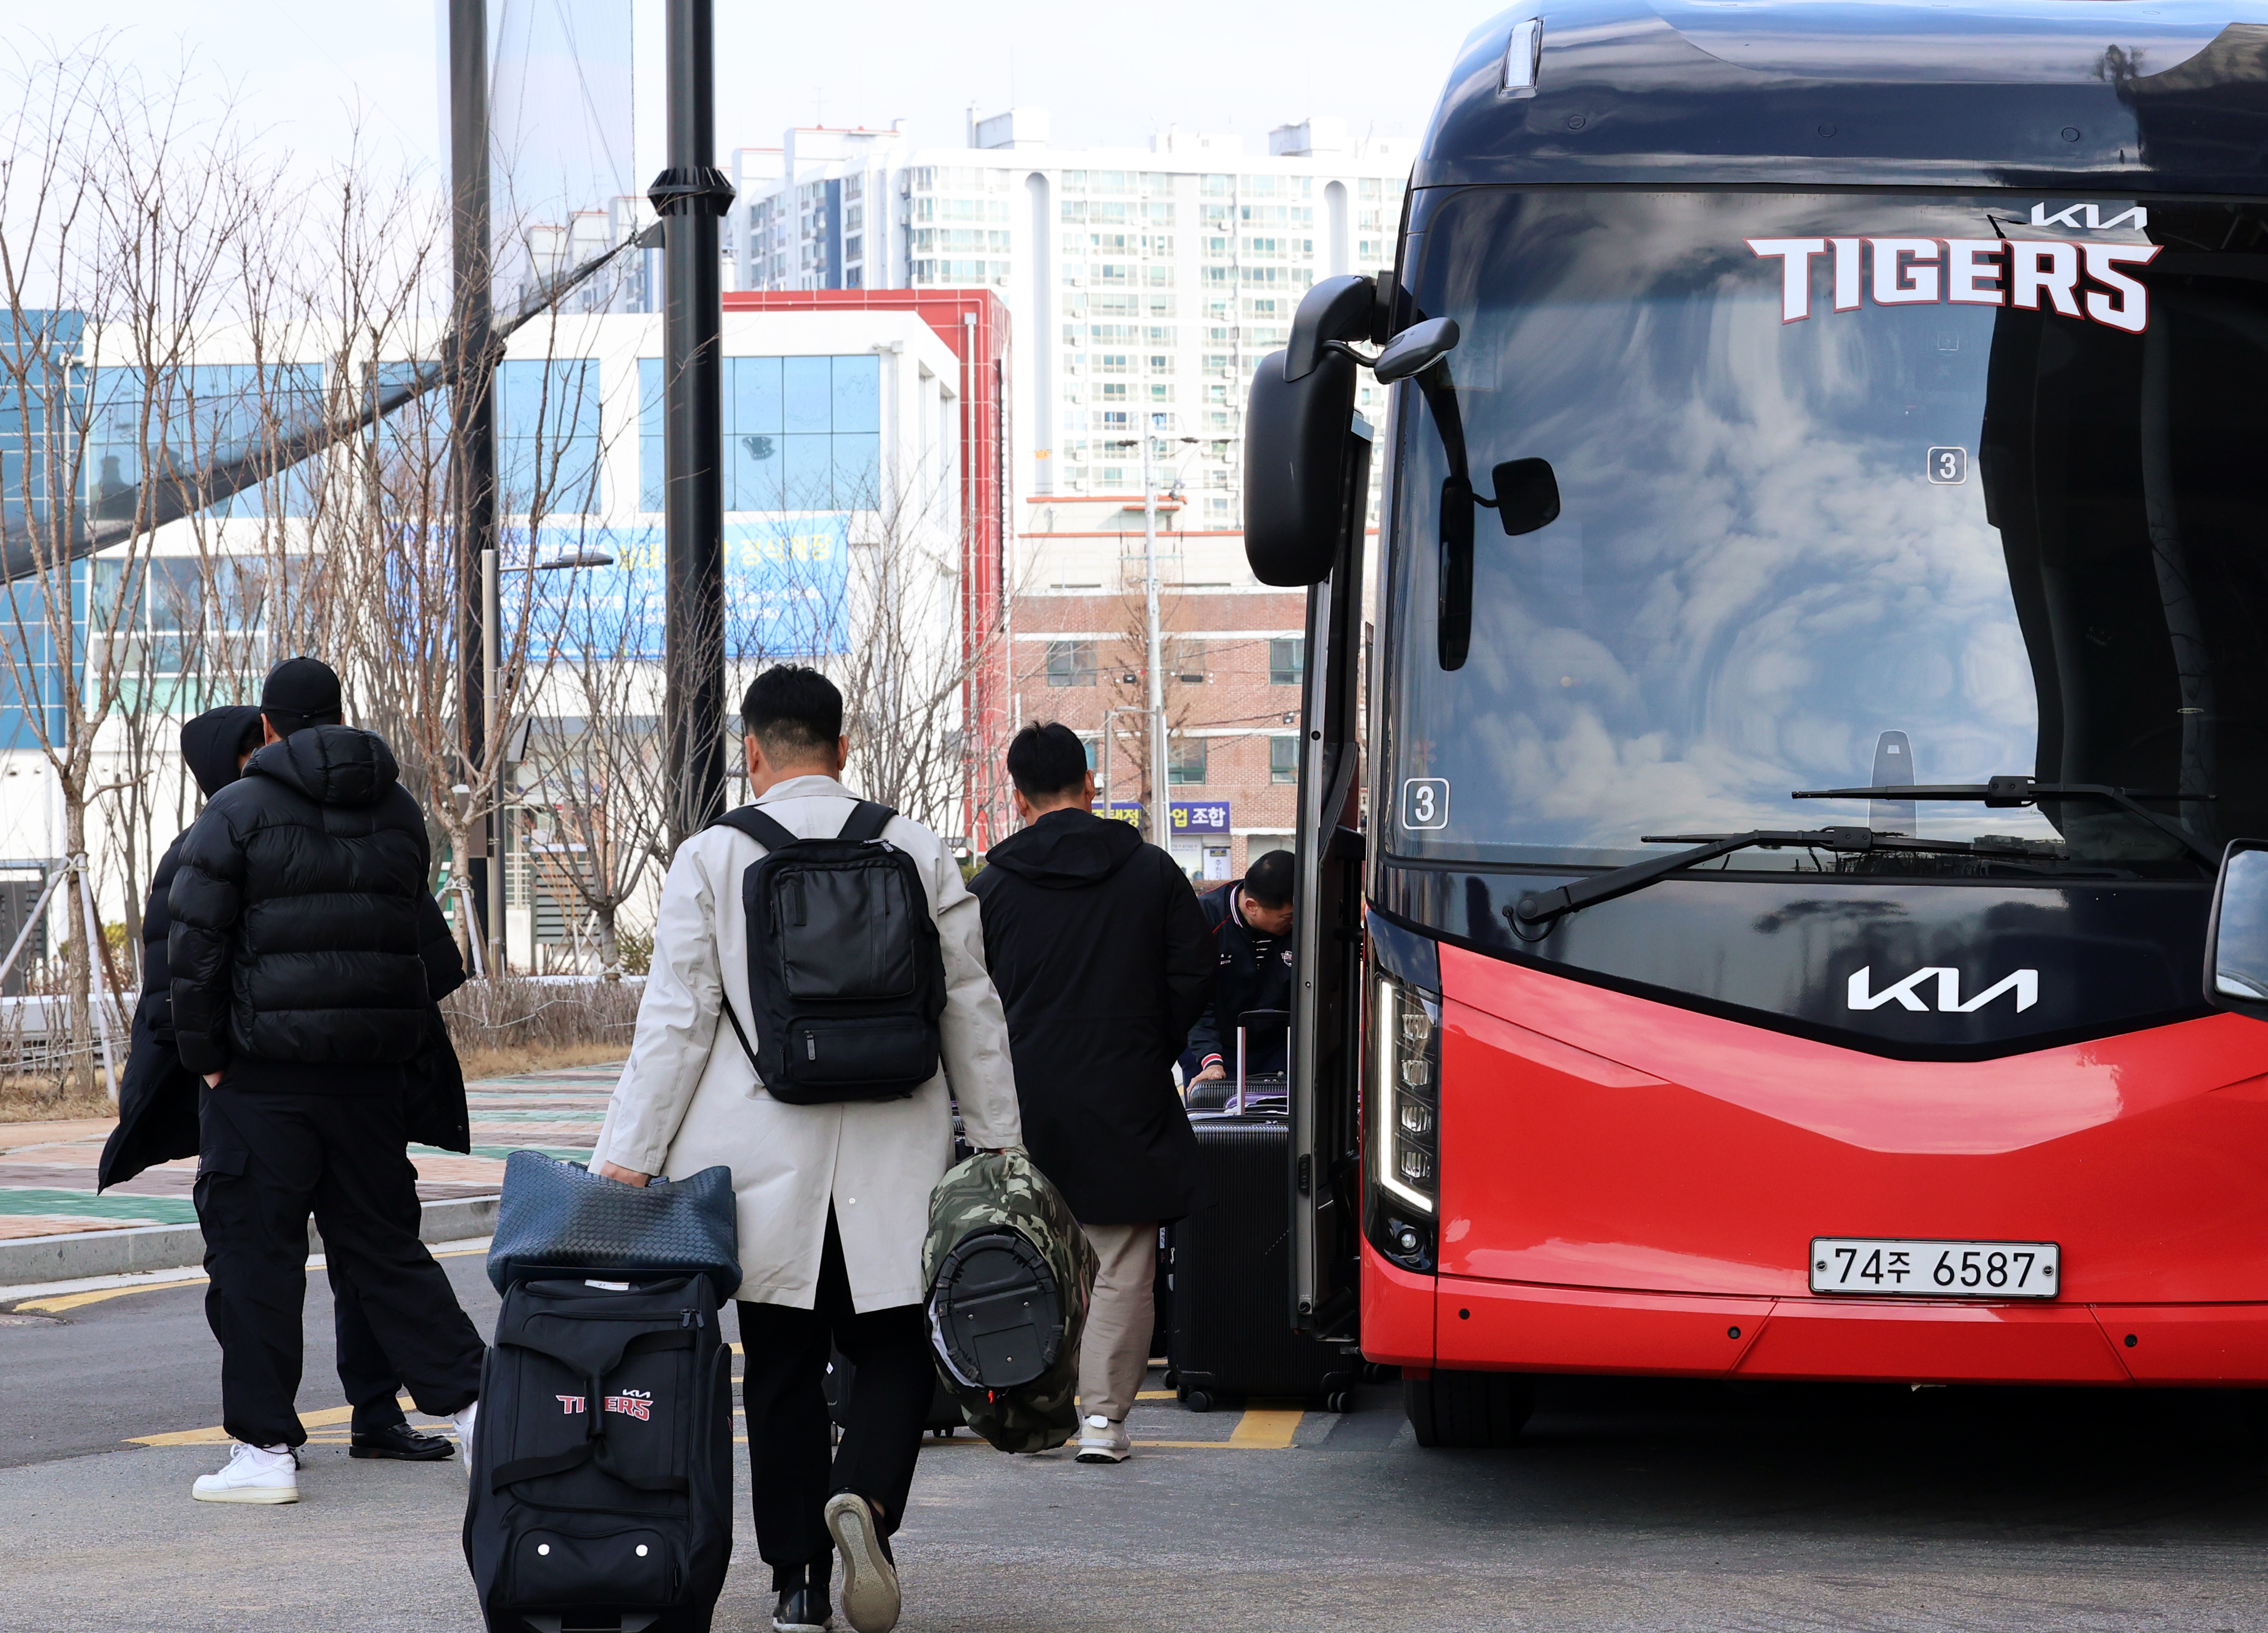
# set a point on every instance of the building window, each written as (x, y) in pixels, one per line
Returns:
(1287, 661)
(1186, 761)
(801, 433)
(548, 436)
(1283, 759)
(1071, 663)
(1187, 661)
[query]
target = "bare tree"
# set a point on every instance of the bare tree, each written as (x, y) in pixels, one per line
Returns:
(872, 595)
(595, 769)
(119, 219)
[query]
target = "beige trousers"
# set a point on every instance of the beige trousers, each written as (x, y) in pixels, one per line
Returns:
(1113, 1355)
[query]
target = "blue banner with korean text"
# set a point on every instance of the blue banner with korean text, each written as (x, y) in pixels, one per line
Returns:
(1199, 819)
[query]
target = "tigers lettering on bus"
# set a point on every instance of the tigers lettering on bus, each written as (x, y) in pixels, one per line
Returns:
(2063, 276)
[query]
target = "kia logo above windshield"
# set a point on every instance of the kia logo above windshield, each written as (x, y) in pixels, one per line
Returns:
(2089, 218)
(1907, 994)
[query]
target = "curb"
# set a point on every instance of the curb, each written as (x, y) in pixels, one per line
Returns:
(77, 1254)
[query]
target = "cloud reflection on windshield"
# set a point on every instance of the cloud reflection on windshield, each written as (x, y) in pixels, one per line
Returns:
(1753, 577)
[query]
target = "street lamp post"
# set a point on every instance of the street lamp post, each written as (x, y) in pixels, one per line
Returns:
(1160, 802)
(690, 196)
(1160, 795)
(472, 416)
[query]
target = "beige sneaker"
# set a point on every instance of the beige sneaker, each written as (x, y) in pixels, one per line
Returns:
(869, 1576)
(1103, 1441)
(255, 1473)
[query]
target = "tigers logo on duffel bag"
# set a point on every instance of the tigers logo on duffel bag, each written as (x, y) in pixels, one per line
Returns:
(636, 1403)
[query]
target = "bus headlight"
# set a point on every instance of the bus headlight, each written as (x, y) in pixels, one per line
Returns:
(1406, 1101)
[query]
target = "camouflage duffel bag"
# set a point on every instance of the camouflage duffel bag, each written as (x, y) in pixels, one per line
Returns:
(1009, 1273)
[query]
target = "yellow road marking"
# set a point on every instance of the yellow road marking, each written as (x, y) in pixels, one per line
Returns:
(1262, 1430)
(217, 1436)
(1158, 1394)
(1257, 1431)
(73, 1301)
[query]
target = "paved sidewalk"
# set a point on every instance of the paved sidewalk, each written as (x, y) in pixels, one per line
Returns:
(48, 1169)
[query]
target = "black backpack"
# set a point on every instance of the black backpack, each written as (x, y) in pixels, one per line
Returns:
(846, 981)
(602, 1464)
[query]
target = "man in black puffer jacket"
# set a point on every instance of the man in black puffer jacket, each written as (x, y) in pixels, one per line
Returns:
(300, 994)
(157, 1095)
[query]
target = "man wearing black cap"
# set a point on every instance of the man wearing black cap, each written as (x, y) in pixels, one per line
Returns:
(157, 1095)
(301, 990)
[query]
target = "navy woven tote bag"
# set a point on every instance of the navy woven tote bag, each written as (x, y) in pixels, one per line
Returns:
(558, 1218)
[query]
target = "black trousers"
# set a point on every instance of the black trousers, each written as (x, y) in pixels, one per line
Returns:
(784, 1354)
(366, 1378)
(269, 1160)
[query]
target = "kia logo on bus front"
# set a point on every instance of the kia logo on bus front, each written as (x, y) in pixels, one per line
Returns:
(1906, 994)
(2089, 218)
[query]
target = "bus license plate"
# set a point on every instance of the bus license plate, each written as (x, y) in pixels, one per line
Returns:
(1922, 1269)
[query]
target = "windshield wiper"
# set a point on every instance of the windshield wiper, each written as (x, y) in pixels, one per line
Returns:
(2006, 792)
(1542, 907)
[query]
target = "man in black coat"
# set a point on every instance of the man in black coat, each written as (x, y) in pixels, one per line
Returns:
(157, 1095)
(1249, 922)
(1101, 961)
(301, 994)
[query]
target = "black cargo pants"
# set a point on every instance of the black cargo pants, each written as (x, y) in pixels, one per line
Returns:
(784, 1352)
(366, 1378)
(269, 1160)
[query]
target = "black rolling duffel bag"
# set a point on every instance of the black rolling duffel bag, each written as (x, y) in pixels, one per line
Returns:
(1231, 1265)
(602, 1462)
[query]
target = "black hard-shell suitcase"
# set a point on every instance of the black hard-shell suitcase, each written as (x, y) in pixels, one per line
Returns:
(944, 1414)
(1231, 1265)
(602, 1463)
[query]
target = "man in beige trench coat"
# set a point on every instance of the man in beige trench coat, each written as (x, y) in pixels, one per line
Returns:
(834, 1200)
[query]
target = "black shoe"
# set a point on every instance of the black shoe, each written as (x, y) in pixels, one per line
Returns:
(802, 1610)
(399, 1441)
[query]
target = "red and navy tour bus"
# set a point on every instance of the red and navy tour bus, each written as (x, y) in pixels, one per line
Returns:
(1774, 896)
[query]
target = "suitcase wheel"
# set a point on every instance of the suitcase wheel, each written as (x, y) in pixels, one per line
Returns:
(1173, 1379)
(1196, 1400)
(1339, 1401)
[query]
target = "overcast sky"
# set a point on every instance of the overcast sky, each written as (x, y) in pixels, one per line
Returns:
(1107, 73)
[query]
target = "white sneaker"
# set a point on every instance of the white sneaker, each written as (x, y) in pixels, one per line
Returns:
(1103, 1441)
(255, 1473)
(464, 1422)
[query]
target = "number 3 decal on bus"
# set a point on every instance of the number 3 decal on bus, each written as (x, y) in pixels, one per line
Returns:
(1425, 802)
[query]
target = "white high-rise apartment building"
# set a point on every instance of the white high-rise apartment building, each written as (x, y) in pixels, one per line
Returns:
(1138, 282)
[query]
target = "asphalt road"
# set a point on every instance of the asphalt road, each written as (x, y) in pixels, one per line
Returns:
(1632, 1505)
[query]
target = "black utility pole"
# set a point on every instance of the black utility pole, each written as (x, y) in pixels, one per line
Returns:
(472, 405)
(690, 196)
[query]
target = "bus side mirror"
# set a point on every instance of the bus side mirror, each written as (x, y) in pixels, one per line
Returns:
(1296, 425)
(2236, 935)
(1295, 458)
(1526, 495)
(1416, 350)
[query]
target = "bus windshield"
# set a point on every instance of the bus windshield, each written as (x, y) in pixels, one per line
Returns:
(1857, 491)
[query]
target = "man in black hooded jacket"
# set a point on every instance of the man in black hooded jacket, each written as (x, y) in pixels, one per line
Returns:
(157, 1095)
(1103, 963)
(300, 993)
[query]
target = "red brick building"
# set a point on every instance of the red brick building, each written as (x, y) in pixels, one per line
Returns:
(1234, 657)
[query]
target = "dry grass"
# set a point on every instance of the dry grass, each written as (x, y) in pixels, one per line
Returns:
(501, 1029)
(537, 1057)
(43, 1100)
(512, 1025)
